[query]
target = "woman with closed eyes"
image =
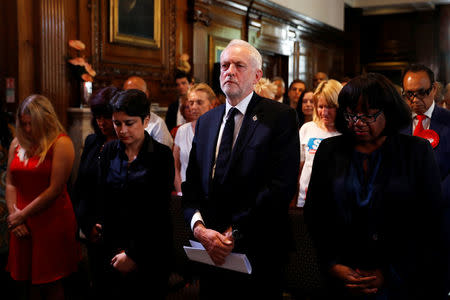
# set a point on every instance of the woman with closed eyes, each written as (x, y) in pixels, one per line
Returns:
(136, 180)
(374, 207)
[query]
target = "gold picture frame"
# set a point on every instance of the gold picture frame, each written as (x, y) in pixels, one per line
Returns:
(131, 22)
(216, 46)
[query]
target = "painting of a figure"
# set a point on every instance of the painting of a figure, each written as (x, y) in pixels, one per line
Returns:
(135, 22)
(136, 18)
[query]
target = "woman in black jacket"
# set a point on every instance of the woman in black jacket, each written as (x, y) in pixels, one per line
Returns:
(374, 205)
(83, 192)
(136, 181)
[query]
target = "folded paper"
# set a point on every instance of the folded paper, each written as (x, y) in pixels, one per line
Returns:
(235, 261)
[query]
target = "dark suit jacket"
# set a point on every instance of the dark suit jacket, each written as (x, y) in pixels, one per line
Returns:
(440, 122)
(171, 115)
(258, 185)
(405, 236)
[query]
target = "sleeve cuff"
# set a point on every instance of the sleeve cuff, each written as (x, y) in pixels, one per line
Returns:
(196, 217)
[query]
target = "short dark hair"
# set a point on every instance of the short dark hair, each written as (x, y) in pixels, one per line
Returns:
(100, 104)
(181, 74)
(132, 102)
(415, 68)
(374, 91)
(297, 81)
(100, 101)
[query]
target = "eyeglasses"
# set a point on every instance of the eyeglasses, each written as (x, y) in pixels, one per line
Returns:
(420, 94)
(351, 118)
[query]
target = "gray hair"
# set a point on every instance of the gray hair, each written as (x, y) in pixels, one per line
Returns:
(254, 53)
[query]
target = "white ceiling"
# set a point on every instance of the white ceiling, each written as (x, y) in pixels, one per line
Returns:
(372, 7)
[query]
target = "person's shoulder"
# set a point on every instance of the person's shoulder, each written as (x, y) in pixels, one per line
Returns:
(63, 140)
(184, 128)
(111, 146)
(217, 111)
(272, 105)
(441, 114)
(335, 141)
(159, 148)
(14, 144)
(409, 141)
(91, 139)
(156, 118)
(308, 125)
(305, 128)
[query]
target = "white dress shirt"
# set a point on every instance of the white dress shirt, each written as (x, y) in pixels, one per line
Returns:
(157, 129)
(180, 118)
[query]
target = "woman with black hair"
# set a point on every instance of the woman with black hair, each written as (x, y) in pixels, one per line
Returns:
(83, 192)
(374, 207)
(136, 180)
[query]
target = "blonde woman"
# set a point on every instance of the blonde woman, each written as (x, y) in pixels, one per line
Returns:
(43, 249)
(312, 133)
(200, 100)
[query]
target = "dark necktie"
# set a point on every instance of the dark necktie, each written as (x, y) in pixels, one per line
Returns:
(226, 145)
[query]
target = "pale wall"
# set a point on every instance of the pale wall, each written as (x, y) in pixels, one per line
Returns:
(330, 12)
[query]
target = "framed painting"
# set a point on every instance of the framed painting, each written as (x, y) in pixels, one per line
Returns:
(216, 46)
(135, 22)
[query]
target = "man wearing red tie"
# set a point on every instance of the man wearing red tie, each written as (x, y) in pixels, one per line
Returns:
(429, 121)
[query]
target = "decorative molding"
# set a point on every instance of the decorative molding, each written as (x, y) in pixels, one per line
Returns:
(201, 16)
(53, 44)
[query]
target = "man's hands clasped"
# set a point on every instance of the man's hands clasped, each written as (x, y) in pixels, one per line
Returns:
(218, 245)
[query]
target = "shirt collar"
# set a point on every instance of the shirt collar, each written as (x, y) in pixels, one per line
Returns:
(241, 106)
(147, 146)
(428, 113)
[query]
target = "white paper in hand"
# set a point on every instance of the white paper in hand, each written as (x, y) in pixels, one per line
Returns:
(235, 261)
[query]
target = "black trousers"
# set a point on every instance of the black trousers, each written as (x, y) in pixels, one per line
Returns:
(218, 283)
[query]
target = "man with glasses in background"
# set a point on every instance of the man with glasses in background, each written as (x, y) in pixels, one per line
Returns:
(429, 121)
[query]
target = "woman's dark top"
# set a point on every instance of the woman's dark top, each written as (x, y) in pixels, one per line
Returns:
(389, 219)
(83, 193)
(135, 204)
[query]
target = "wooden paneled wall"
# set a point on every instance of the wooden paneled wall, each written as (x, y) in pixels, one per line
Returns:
(34, 49)
(387, 43)
(8, 49)
(281, 35)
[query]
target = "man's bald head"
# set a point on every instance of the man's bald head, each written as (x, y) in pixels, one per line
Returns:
(136, 82)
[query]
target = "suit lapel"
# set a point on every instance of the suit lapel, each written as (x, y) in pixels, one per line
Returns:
(248, 127)
(213, 133)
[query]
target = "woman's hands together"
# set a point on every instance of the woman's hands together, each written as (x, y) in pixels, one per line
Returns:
(122, 263)
(16, 223)
(357, 281)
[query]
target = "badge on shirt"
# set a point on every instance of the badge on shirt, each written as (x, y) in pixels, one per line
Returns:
(313, 145)
(431, 136)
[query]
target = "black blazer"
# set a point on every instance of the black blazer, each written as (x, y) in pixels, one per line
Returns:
(135, 205)
(259, 183)
(83, 193)
(406, 236)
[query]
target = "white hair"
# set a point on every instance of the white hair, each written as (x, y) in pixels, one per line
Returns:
(254, 53)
